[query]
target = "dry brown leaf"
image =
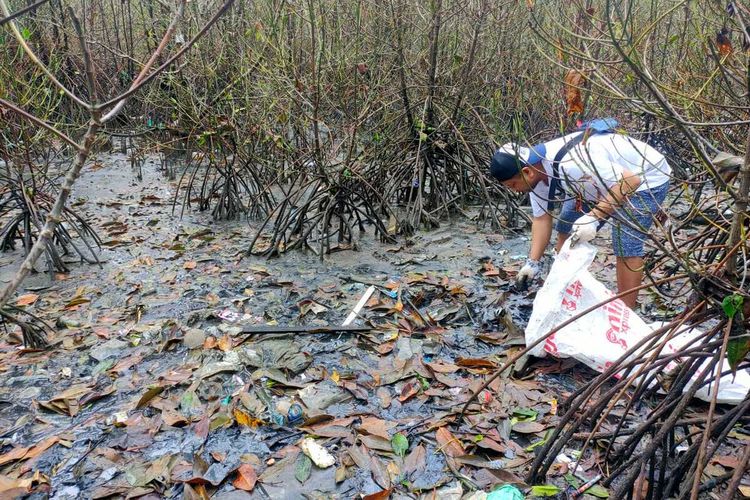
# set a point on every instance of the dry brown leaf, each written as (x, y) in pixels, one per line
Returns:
(13, 488)
(475, 363)
(529, 427)
(14, 454)
(225, 343)
(441, 367)
(332, 431)
(490, 444)
(376, 443)
(201, 428)
(379, 472)
(409, 390)
(360, 456)
(26, 300)
(380, 495)
(27, 453)
(67, 402)
(726, 460)
(190, 265)
(340, 475)
(195, 492)
(150, 394)
(574, 82)
(448, 443)
(377, 427)
(246, 478)
(415, 460)
(384, 394)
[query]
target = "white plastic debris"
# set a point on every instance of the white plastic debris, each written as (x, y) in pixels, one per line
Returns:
(317, 453)
(601, 337)
(353, 315)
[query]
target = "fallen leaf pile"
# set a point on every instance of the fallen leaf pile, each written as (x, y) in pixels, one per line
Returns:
(156, 385)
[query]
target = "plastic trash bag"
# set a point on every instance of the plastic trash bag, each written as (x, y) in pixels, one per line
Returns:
(602, 336)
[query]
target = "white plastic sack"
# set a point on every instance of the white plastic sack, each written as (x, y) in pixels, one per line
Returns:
(602, 336)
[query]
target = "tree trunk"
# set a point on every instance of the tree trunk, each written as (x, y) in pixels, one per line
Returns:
(54, 217)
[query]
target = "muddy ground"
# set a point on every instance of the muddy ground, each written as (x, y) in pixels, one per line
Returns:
(152, 389)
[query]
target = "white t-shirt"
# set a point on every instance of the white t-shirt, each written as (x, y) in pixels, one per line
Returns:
(588, 171)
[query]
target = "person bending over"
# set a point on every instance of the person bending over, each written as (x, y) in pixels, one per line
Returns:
(594, 177)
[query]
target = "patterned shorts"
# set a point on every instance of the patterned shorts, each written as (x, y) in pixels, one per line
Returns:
(630, 223)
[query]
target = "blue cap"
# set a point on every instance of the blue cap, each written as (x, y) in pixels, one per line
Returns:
(510, 158)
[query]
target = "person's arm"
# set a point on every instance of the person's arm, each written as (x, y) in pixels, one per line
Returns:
(617, 194)
(586, 226)
(541, 231)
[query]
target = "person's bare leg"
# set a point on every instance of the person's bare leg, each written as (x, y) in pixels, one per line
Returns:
(561, 237)
(629, 275)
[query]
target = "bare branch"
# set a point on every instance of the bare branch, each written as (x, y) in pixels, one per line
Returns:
(54, 217)
(6, 12)
(39, 122)
(23, 11)
(165, 39)
(169, 62)
(90, 77)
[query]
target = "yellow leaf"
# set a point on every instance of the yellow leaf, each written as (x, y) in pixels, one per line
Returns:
(243, 418)
(335, 377)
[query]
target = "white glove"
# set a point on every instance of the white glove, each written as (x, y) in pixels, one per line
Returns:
(528, 272)
(584, 229)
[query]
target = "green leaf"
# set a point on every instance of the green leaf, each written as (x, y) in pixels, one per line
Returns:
(547, 490)
(400, 444)
(737, 349)
(303, 468)
(525, 412)
(220, 420)
(542, 441)
(478, 438)
(572, 480)
(732, 304)
(598, 491)
(189, 403)
(25, 33)
(523, 415)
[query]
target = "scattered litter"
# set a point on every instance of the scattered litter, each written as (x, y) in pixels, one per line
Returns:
(586, 486)
(507, 492)
(362, 301)
(317, 453)
(602, 336)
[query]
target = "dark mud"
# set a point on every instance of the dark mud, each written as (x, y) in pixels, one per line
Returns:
(151, 389)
